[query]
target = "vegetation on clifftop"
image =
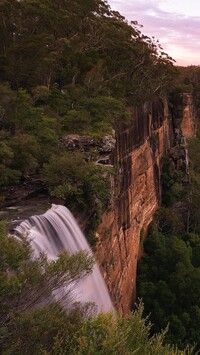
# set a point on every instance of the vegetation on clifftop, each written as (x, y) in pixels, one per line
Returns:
(187, 80)
(68, 67)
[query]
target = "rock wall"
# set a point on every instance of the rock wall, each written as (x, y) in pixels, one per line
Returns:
(139, 151)
(184, 114)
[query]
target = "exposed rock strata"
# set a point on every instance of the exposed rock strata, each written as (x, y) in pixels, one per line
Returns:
(136, 155)
(139, 150)
(184, 114)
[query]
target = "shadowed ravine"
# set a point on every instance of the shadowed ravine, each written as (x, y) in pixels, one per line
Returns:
(57, 230)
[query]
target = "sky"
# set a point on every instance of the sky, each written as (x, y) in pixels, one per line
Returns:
(176, 23)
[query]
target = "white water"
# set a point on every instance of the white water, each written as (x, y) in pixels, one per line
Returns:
(57, 230)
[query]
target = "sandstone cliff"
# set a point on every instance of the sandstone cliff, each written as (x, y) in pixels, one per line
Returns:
(184, 114)
(138, 154)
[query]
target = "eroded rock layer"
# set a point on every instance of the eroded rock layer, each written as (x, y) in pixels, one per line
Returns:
(139, 151)
(184, 115)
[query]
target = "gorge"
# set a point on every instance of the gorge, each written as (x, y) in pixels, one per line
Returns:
(97, 118)
(134, 200)
(153, 133)
(138, 157)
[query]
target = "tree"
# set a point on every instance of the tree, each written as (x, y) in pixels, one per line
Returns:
(80, 44)
(27, 283)
(8, 175)
(67, 67)
(70, 177)
(25, 150)
(169, 283)
(32, 322)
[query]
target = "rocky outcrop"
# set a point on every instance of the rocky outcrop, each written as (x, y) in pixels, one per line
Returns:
(138, 155)
(178, 156)
(75, 142)
(184, 114)
(99, 149)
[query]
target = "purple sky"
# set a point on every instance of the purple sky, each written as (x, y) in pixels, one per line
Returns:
(176, 23)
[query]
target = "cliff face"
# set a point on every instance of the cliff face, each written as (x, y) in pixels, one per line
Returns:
(184, 115)
(139, 150)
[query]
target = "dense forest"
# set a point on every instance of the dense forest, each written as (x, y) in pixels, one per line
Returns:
(73, 67)
(169, 272)
(68, 67)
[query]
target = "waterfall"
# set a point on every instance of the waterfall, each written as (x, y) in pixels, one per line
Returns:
(57, 230)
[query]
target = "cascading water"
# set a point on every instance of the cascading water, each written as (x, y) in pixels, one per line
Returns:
(57, 230)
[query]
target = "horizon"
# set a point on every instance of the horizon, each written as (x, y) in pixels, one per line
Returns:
(175, 25)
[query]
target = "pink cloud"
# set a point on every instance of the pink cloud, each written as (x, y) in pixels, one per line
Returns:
(178, 34)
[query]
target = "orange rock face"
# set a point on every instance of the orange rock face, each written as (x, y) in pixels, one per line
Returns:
(188, 124)
(138, 159)
(185, 115)
(139, 151)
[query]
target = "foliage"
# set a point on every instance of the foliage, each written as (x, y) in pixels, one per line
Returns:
(188, 80)
(168, 278)
(79, 44)
(168, 282)
(114, 335)
(69, 67)
(27, 283)
(80, 183)
(68, 175)
(7, 174)
(194, 188)
(25, 152)
(31, 321)
(95, 116)
(172, 186)
(169, 274)
(72, 332)
(168, 222)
